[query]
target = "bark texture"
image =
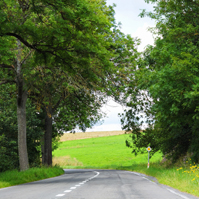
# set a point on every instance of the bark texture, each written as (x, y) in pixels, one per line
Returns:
(47, 158)
(22, 140)
(21, 112)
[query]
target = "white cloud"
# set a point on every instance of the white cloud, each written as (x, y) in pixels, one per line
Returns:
(106, 127)
(145, 35)
(112, 120)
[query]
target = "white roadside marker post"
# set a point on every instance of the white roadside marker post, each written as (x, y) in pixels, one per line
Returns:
(148, 149)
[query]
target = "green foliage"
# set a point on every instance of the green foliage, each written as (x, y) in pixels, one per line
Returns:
(8, 131)
(34, 133)
(82, 43)
(78, 110)
(8, 154)
(165, 88)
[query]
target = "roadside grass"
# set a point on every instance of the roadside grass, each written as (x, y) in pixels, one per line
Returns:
(14, 177)
(172, 177)
(111, 153)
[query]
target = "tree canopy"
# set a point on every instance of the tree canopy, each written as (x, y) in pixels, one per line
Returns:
(58, 50)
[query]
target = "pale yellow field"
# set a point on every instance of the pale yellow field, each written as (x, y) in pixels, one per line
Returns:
(66, 161)
(77, 136)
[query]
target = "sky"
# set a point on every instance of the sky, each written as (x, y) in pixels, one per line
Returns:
(126, 12)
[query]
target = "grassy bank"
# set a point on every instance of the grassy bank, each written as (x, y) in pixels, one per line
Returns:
(10, 178)
(173, 177)
(111, 153)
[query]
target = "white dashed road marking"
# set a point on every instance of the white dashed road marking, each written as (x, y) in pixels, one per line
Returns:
(67, 191)
(72, 188)
(59, 195)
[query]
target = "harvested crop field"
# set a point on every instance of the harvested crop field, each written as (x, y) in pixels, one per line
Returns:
(78, 136)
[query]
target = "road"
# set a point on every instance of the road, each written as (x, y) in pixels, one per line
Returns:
(94, 184)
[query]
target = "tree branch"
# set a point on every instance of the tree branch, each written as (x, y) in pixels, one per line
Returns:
(57, 104)
(25, 58)
(7, 81)
(34, 47)
(22, 40)
(6, 66)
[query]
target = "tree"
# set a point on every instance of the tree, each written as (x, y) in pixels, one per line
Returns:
(78, 37)
(64, 107)
(168, 73)
(74, 96)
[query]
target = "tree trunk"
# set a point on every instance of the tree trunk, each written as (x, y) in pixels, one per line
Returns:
(48, 138)
(42, 148)
(22, 142)
(21, 113)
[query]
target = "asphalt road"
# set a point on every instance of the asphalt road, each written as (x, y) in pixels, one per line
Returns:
(94, 184)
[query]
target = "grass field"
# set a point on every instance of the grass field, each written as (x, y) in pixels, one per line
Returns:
(100, 152)
(108, 151)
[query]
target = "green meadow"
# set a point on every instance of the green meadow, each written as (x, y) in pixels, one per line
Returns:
(111, 153)
(103, 152)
